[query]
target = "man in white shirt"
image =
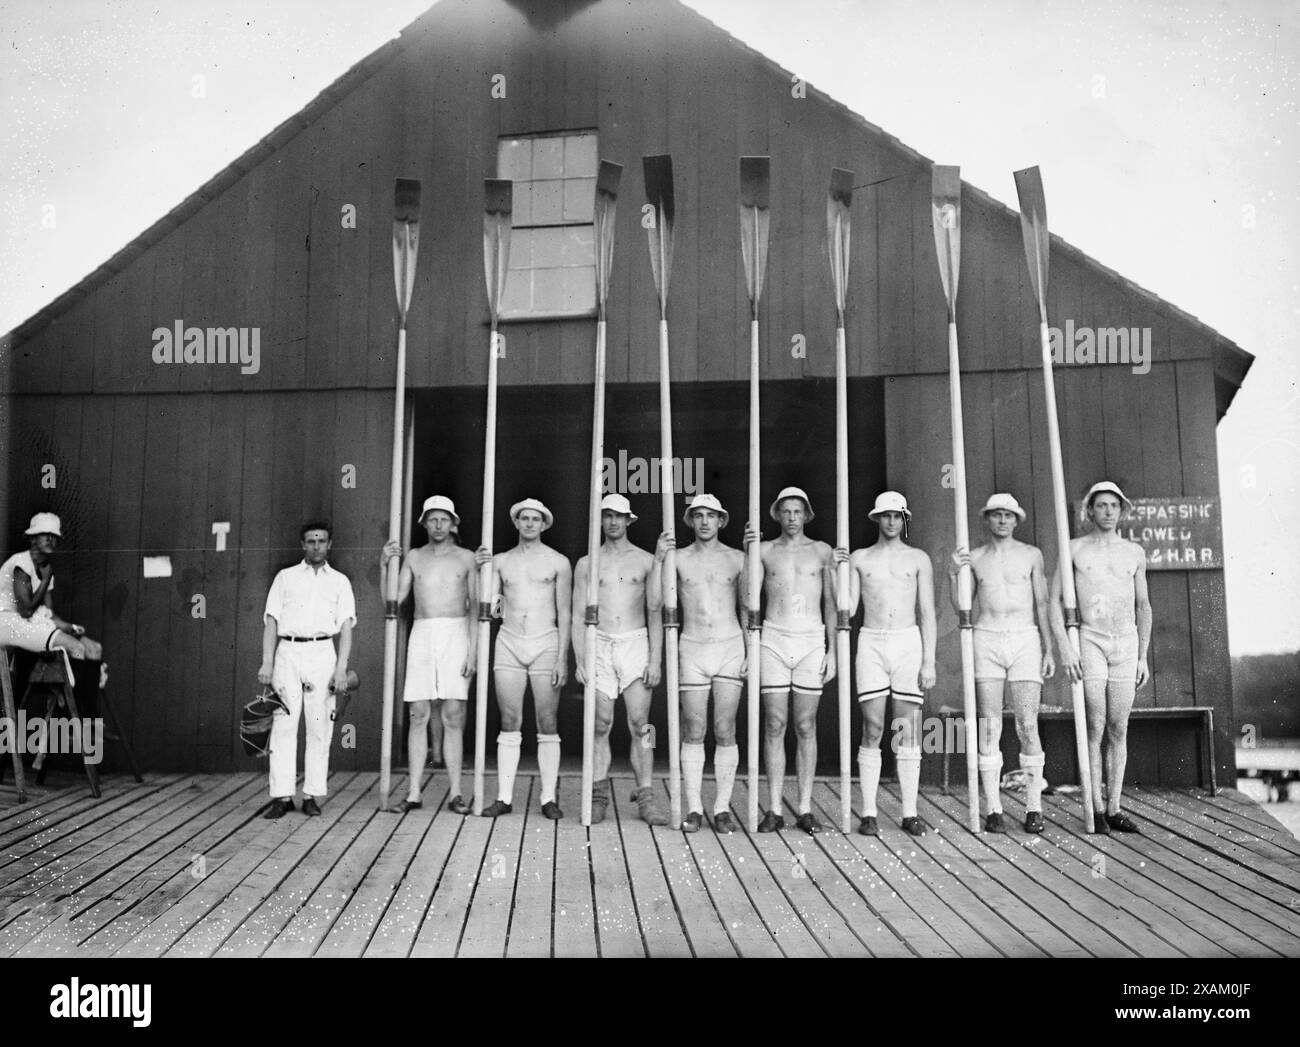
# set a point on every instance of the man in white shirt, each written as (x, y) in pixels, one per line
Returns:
(308, 605)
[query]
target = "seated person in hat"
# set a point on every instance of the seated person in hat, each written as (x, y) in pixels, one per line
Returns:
(895, 657)
(442, 650)
(27, 618)
(1013, 649)
(711, 654)
(629, 655)
(533, 585)
(796, 658)
(1110, 578)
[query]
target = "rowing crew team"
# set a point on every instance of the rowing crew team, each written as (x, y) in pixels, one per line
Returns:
(541, 608)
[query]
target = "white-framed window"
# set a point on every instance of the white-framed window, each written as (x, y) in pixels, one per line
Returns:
(552, 254)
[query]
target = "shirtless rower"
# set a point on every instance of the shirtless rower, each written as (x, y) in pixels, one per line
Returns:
(629, 655)
(896, 585)
(800, 616)
(1110, 578)
(1012, 651)
(441, 653)
(711, 654)
(532, 585)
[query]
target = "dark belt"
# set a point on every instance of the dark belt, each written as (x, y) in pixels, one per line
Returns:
(305, 639)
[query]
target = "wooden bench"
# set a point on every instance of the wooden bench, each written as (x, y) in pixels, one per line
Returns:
(1203, 713)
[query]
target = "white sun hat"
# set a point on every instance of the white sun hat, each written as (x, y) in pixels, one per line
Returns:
(440, 501)
(1003, 501)
(706, 501)
(45, 523)
(532, 503)
(890, 502)
(791, 492)
(616, 503)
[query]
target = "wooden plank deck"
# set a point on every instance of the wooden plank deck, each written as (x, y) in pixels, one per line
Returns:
(183, 865)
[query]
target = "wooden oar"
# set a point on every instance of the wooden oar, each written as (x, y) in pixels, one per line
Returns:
(838, 227)
(755, 179)
(498, 197)
(945, 212)
(406, 243)
(607, 179)
(658, 172)
(1033, 227)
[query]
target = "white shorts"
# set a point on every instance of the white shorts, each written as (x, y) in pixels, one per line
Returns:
(791, 659)
(889, 660)
(621, 659)
(700, 662)
(31, 634)
(535, 655)
(1108, 656)
(1014, 655)
(435, 657)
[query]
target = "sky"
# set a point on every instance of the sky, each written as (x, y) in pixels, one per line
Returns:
(1168, 135)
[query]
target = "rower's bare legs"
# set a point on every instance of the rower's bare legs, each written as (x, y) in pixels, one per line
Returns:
(1094, 699)
(726, 754)
(776, 709)
(869, 755)
(510, 688)
(805, 726)
(453, 742)
(642, 755)
(907, 752)
(988, 700)
(1119, 703)
(546, 700)
(694, 722)
(602, 757)
(1026, 697)
(417, 747)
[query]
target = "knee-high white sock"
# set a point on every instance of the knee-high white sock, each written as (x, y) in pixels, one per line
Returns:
(693, 775)
(869, 776)
(1033, 768)
(726, 758)
(909, 777)
(991, 777)
(508, 743)
(548, 763)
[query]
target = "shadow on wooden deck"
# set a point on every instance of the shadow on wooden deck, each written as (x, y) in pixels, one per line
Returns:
(183, 865)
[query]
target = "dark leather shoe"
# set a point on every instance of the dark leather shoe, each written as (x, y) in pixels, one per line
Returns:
(310, 807)
(1034, 822)
(993, 823)
(278, 809)
(771, 822)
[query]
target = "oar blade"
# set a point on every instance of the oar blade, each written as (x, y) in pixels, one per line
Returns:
(945, 212)
(1033, 227)
(838, 212)
(607, 180)
(658, 171)
(755, 217)
(406, 242)
(498, 205)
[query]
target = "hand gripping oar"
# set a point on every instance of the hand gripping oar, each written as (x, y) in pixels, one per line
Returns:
(406, 243)
(658, 172)
(1033, 226)
(755, 178)
(607, 179)
(498, 195)
(837, 235)
(945, 211)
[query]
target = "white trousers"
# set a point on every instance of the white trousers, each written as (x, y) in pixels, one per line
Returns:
(302, 677)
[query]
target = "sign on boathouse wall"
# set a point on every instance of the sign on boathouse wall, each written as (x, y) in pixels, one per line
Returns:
(1178, 534)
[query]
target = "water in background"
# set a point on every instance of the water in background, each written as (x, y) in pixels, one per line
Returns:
(1287, 813)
